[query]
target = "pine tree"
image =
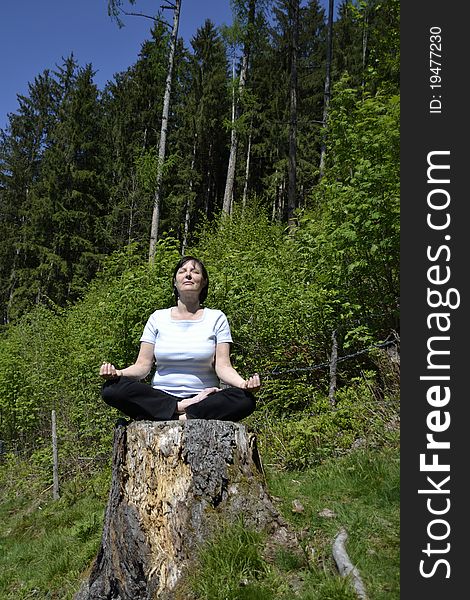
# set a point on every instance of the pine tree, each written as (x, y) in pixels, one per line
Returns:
(312, 82)
(347, 51)
(209, 67)
(115, 10)
(22, 147)
(69, 198)
(200, 138)
(77, 169)
(281, 121)
(384, 46)
(367, 43)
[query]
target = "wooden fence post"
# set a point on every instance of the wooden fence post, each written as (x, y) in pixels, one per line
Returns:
(55, 468)
(333, 367)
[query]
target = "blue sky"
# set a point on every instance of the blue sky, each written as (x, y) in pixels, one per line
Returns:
(36, 34)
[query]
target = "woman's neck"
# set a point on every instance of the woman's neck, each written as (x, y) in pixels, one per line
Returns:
(186, 309)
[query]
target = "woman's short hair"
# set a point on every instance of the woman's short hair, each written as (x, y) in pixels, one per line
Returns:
(183, 260)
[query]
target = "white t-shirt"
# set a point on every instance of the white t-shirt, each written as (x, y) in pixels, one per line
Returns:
(185, 350)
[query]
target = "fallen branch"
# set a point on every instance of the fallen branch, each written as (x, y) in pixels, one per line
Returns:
(345, 566)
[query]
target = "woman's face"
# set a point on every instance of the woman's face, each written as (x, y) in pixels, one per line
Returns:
(189, 278)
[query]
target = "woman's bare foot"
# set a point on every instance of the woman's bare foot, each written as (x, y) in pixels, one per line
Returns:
(183, 404)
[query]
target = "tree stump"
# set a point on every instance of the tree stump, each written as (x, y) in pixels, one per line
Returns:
(173, 482)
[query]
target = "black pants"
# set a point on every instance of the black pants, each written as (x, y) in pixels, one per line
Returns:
(141, 401)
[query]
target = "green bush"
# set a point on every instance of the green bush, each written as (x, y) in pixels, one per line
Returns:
(303, 439)
(282, 311)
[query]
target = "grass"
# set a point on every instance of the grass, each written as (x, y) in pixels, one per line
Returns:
(46, 545)
(359, 492)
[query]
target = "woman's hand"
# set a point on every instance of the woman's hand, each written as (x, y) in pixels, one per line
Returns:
(139, 370)
(183, 404)
(109, 371)
(253, 383)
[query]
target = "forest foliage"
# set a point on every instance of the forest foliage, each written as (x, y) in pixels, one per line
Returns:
(77, 169)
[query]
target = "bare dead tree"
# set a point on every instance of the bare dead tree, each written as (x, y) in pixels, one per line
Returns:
(163, 133)
(327, 92)
(229, 183)
(294, 8)
(115, 10)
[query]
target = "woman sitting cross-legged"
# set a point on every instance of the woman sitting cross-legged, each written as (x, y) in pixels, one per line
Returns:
(190, 345)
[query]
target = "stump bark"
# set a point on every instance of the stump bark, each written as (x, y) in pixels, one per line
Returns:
(173, 482)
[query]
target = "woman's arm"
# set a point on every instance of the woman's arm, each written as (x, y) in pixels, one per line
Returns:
(139, 370)
(227, 374)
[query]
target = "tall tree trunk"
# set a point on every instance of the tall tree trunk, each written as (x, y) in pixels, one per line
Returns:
(228, 194)
(327, 93)
(247, 167)
(291, 193)
(232, 162)
(132, 208)
(163, 132)
(227, 203)
(274, 205)
(189, 201)
(365, 38)
(282, 199)
(209, 182)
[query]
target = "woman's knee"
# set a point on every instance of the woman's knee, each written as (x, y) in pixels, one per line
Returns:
(245, 402)
(110, 392)
(250, 402)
